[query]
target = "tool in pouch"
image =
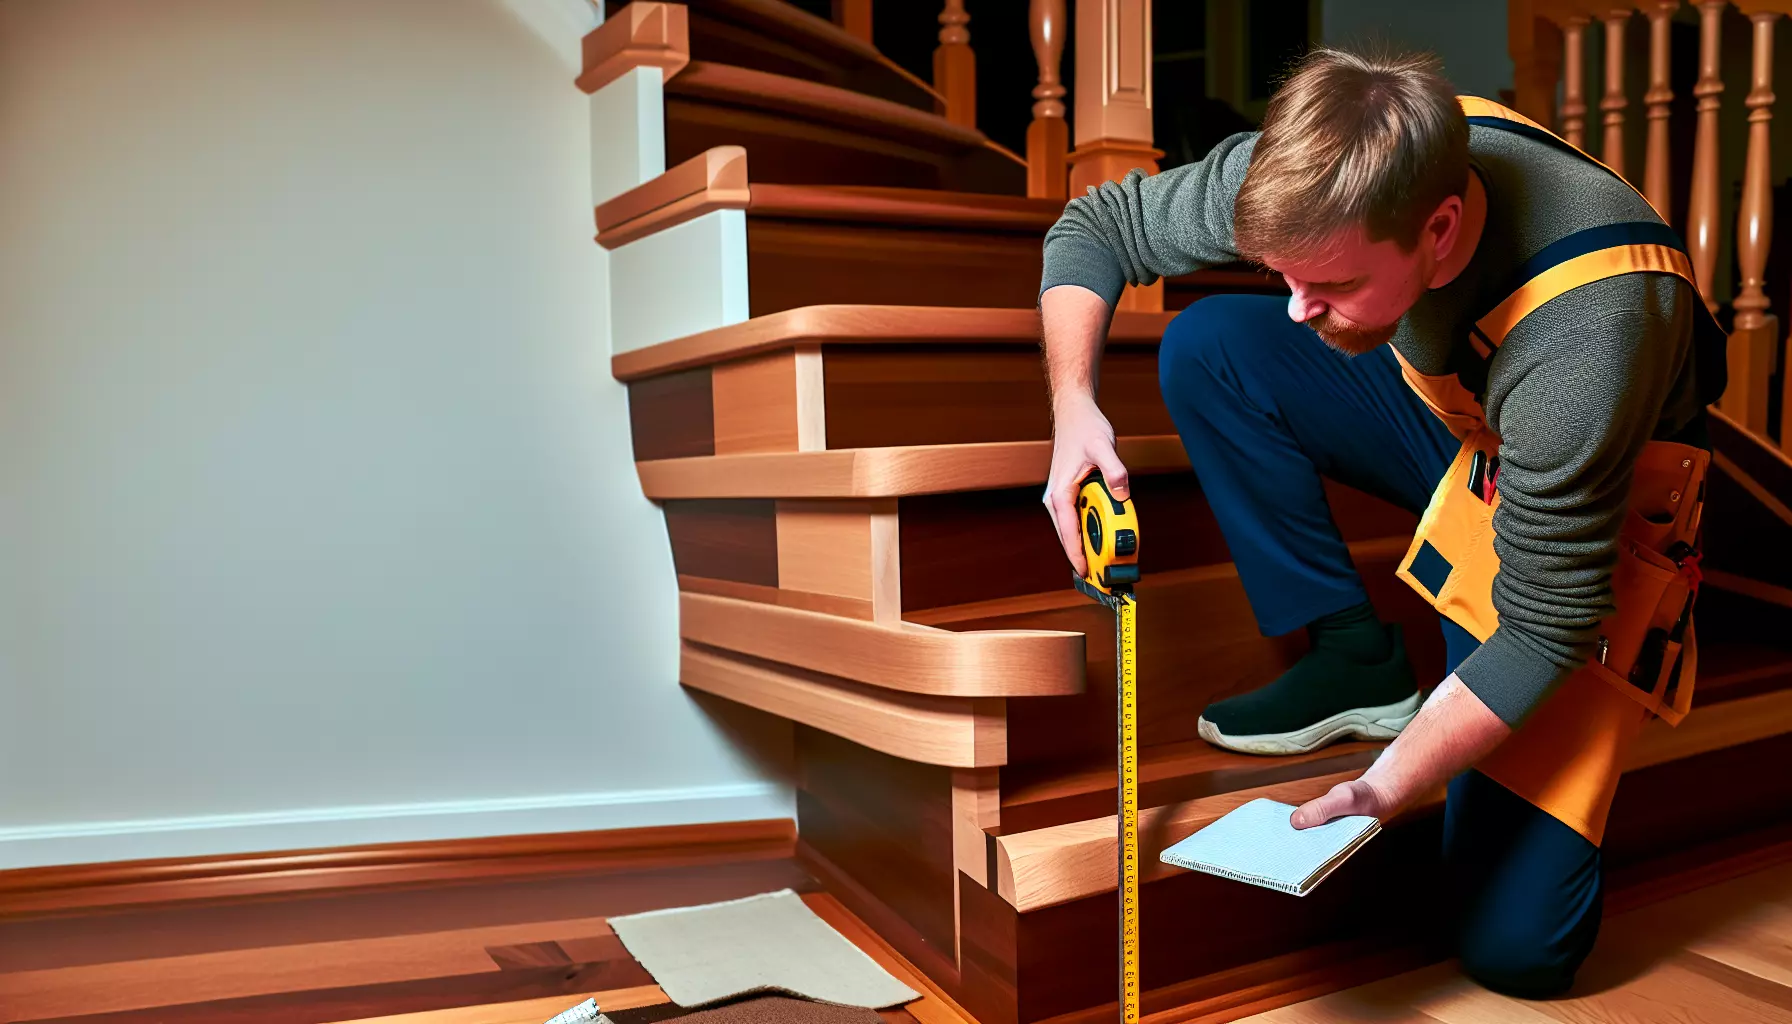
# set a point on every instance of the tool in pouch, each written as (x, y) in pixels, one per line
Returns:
(1110, 530)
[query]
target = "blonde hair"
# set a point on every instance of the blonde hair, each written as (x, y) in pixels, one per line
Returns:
(1352, 140)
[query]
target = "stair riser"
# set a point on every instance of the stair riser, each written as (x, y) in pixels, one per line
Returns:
(875, 396)
(795, 263)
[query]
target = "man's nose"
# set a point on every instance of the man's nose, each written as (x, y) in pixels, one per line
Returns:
(1301, 305)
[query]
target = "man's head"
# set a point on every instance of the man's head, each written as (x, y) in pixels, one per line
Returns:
(1355, 190)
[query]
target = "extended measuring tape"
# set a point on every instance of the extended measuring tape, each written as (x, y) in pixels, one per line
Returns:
(1110, 530)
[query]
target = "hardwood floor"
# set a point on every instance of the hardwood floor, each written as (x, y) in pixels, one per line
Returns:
(1721, 955)
(492, 953)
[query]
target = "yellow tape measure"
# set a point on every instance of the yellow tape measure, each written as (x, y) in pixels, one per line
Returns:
(1110, 530)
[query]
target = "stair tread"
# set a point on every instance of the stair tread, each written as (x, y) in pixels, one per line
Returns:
(859, 324)
(794, 42)
(826, 104)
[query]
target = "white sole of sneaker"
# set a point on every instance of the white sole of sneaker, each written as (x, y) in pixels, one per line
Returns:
(1382, 723)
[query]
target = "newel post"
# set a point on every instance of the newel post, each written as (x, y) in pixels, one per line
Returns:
(1113, 105)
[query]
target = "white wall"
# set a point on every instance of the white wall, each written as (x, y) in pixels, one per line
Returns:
(318, 522)
(1469, 35)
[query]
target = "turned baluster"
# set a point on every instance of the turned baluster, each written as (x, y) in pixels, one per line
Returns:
(1048, 137)
(1656, 184)
(1755, 330)
(854, 16)
(1701, 208)
(1574, 100)
(1614, 102)
(955, 66)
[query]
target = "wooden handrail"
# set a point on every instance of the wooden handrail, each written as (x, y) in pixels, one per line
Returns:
(715, 179)
(643, 34)
(955, 66)
(1048, 136)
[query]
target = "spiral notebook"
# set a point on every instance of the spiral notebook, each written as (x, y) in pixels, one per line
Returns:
(1256, 844)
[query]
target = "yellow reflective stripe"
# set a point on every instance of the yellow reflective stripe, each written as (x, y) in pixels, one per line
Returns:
(1475, 106)
(1569, 275)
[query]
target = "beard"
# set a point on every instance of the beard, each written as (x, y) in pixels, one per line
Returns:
(1348, 337)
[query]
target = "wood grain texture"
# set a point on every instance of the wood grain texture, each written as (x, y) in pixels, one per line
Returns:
(976, 806)
(1703, 205)
(770, 402)
(715, 179)
(643, 34)
(919, 394)
(882, 472)
(957, 732)
(844, 607)
(806, 132)
(885, 821)
(36, 891)
(672, 416)
(841, 325)
(934, 1007)
(906, 657)
(835, 548)
(726, 540)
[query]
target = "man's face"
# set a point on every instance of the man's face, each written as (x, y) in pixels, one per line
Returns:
(1354, 294)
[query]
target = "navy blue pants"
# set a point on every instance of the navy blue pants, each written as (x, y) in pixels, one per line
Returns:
(1266, 410)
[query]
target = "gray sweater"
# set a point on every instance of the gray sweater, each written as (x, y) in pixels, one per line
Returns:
(1575, 391)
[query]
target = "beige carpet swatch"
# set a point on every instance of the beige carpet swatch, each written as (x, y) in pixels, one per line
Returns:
(767, 943)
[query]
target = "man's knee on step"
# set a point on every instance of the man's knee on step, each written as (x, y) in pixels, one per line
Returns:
(1213, 342)
(1527, 959)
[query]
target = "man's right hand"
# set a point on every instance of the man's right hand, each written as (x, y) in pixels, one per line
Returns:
(1082, 439)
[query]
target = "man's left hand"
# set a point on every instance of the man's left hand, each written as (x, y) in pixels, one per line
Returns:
(1346, 798)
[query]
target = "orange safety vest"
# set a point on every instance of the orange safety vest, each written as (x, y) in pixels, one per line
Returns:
(1567, 755)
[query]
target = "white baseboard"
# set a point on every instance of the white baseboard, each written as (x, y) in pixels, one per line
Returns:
(221, 834)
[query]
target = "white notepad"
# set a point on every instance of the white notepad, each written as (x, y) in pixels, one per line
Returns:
(1256, 844)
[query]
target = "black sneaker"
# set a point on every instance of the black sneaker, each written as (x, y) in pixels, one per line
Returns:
(1324, 698)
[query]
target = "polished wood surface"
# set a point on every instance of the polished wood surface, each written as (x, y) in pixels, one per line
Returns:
(1113, 77)
(779, 37)
(806, 132)
(1755, 334)
(1614, 102)
(888, 823)
(1702, 206)
(672, 415)
(864, 325)
(1718, 954)
(955, 65)
(842, 549)
(36, 891)
(1574, 102)
(643, 34)
(1657, 180)
(1048, 136)
(855, 17)
(906, 657)
(956, 732)
(715, 179)
(725, 540)
(883, 472)
(770, 402)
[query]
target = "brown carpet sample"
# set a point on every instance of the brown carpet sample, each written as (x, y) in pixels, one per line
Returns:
(758, 1010)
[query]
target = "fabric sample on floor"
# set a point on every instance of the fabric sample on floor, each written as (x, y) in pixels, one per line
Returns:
(756, 1010)
(767, 943)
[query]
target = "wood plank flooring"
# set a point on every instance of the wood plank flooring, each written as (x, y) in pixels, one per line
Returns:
(1721, 955)
(511, 952)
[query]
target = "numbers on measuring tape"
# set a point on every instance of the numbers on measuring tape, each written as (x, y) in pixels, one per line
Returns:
(1128, 699)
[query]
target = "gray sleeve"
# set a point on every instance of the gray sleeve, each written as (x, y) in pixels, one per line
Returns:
(1575, 392)
(1144, 227)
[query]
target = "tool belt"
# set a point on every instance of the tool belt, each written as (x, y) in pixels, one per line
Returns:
(1567, 756)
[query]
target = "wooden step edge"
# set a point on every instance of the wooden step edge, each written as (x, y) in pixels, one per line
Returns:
(864, 325)
(956, 732)
(910, 207)
(1048, 866)
(904, 657)
(1378, 549)
(884, 472)
(819, 103)
(786, 22)
(1760, 590)
(643, 34)
(715, 179)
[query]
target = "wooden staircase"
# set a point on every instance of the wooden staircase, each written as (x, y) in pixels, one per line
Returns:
(851, 485)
